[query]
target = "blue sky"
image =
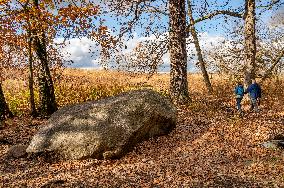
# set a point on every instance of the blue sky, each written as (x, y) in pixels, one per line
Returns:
(214, 30)
(213, 26)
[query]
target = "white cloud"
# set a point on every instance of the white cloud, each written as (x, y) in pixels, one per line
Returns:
(78, 50)
(207, 43)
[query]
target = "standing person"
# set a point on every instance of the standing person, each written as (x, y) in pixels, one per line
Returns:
(239, 91)
(254, 91)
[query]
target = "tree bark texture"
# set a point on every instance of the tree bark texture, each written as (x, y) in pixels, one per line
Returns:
(198, 49)
(178, 55)
(250, 41)
(4, 109)
(31, 77)
(46, 88)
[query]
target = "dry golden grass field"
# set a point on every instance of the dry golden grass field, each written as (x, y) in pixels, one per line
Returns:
(211, 146)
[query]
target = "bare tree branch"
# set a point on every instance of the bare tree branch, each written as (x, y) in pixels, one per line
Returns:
(216, 13)
(271, 4)
(275, 62)
(155, 9)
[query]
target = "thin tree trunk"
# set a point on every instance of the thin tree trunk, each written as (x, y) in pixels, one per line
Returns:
(4, 109)
(198, 49)
(46, 89)
(250, 42)
(274, 63)
(178, 55)
(31, 77)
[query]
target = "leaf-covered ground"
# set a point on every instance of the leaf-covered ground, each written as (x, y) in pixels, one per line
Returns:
(211, 147)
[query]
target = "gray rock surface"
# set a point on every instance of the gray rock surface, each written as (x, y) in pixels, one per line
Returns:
(107, 128)
(17, 151)
(273, 144)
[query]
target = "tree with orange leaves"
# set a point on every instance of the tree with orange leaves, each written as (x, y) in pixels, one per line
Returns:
(38, 23)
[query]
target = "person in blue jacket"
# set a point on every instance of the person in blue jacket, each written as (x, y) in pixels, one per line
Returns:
(254, 91)
(239, 91)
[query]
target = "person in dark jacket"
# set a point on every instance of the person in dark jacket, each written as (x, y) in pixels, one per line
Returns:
(239, 91)
(254, 91)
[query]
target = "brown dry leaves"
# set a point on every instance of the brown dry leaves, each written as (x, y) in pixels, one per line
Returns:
(211, 147)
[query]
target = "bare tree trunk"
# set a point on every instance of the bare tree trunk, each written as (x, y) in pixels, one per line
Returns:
(178, 55)
(274, 63)
(250, 41)
(46, 89)
(31, 77)
(198, 49)
(4, 109)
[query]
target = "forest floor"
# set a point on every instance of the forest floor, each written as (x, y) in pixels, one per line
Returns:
(212, 146)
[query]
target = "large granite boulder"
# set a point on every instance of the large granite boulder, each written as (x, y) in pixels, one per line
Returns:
(107, 128)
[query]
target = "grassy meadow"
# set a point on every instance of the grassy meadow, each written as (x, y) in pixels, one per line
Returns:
(78, 85)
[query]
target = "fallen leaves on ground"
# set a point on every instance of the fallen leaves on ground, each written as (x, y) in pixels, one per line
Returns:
(212, 146)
